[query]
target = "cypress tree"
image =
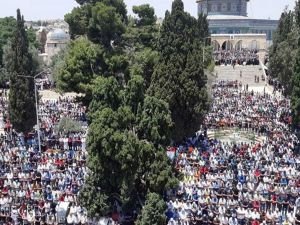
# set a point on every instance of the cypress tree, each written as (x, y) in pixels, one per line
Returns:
(297, 13)
(179, 77)
(22, 112)
(295, 98)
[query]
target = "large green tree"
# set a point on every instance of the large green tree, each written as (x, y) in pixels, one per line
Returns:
(123, 166)
(82, 62)
(105, 24)
(146, 15)
(31, 35)
(153, 211)
(22, 112)
(142, 29)
(118, 4)
(283, 60)
(140, 42)
(102, 21)
(295, 97)
(128, 130)
(283, 50)
(143, 64)
(106, 93)
(7, 27)
(126, 141)
(179, 77)
(155, 122)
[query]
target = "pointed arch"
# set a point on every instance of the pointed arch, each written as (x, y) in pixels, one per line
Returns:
(216, 46)
(239, 45)
(227, 45)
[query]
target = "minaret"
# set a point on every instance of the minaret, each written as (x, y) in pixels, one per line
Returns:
(223, 7)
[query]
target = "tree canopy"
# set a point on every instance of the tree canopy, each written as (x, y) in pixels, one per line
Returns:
(7, 27)
(121, 63)
(82, 62)
(146, 15)
(295, 95)
(179, 77)
(22, 112)
(295, 98)
(102, 21)
(151, 213)
(284, 50)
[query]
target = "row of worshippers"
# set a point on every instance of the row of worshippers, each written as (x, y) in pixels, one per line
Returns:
(239, 57)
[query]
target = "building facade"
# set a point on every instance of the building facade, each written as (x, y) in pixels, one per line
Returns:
(223, 7)
(238, 41)
(57, 40)
(230, 17)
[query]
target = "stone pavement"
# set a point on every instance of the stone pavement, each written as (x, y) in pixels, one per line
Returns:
(248, 74)
(53, 95)
(235, 135)
(248, 77)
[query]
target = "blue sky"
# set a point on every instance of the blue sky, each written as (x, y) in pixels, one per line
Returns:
(53, 9)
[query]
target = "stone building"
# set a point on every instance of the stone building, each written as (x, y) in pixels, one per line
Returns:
(230, 17)
(57, 40)
(223, 7)
(238, 41)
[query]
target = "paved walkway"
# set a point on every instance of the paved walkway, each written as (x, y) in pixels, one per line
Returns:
(50, 94)
(248, 77)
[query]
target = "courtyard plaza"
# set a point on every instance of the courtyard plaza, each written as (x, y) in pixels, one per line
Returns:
(237, 180)
(250, 175)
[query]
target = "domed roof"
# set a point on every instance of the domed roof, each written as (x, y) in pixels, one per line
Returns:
(57, 35)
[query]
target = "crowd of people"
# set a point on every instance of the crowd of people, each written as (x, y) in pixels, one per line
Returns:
(234, 182)
(224, 183)
(233, 57)
(33, 183)
(44, 83)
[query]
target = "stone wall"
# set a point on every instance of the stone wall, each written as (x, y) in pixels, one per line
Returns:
(246, 25)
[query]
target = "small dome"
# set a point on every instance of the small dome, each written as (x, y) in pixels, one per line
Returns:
(58, 35)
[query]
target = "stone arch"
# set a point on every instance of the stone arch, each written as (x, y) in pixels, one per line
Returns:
(227, 45)
(254, 45)
(216, 46)
(239, 45)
